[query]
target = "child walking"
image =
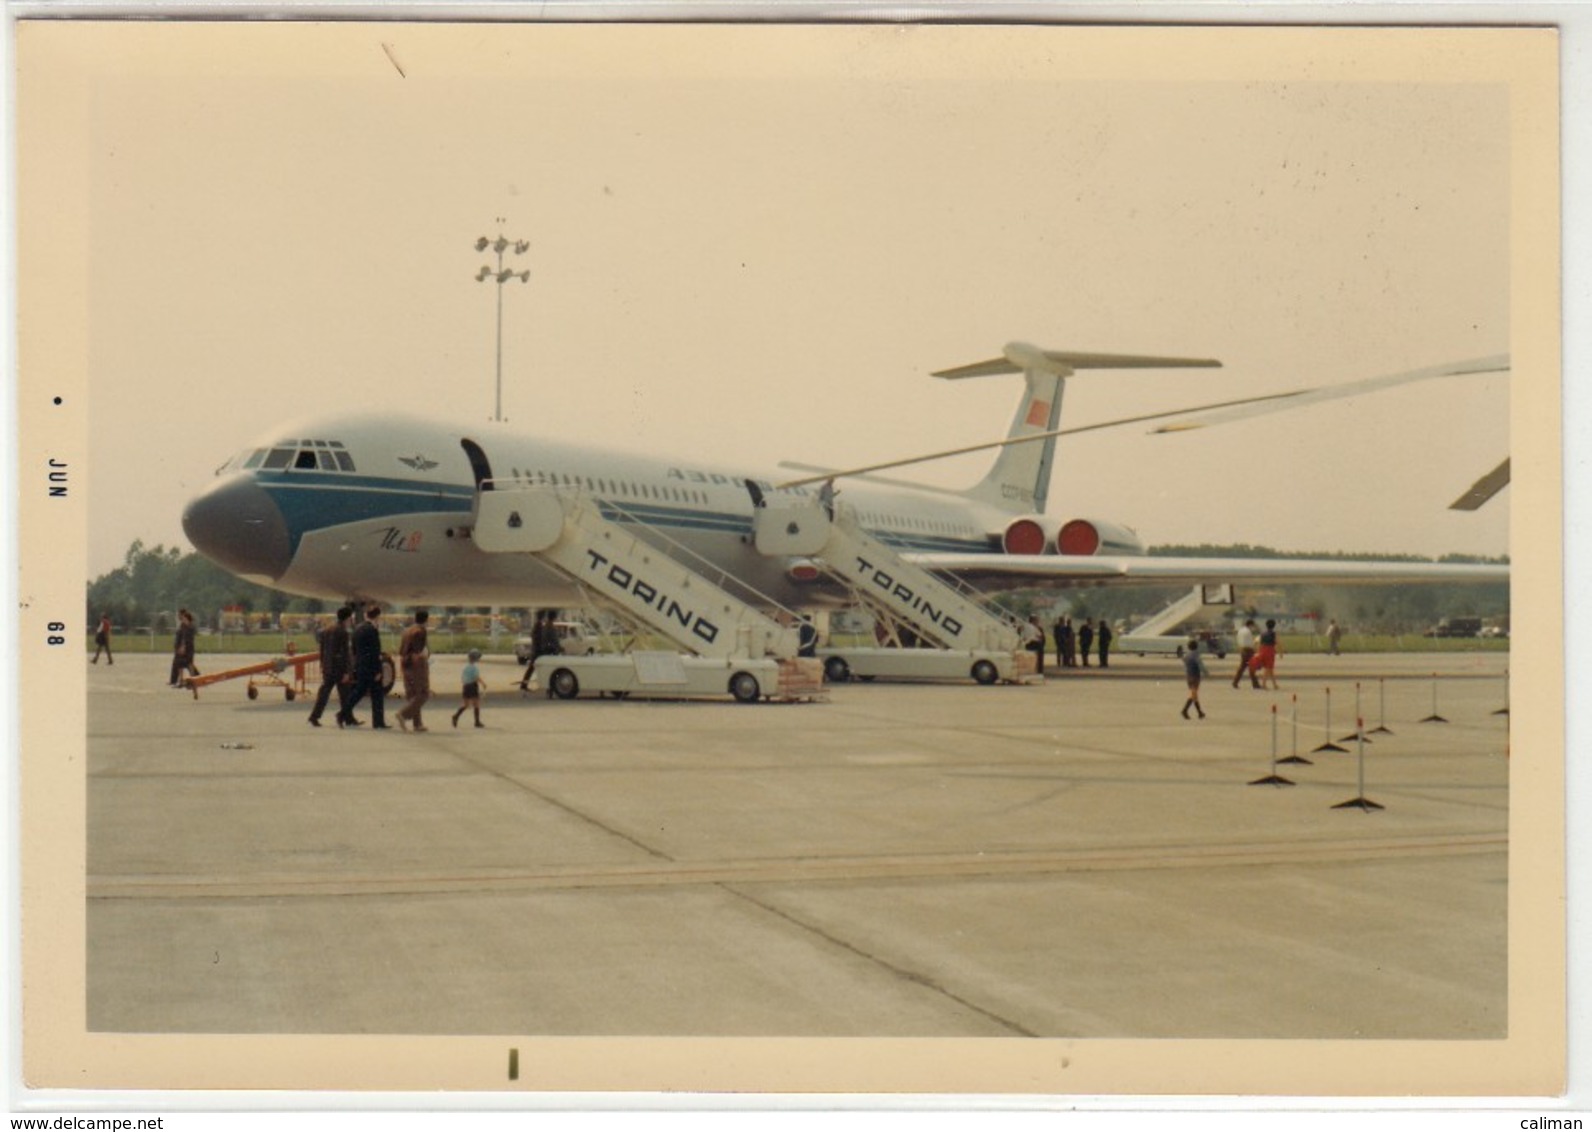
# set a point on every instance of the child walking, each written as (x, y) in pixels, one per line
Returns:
(471, 676)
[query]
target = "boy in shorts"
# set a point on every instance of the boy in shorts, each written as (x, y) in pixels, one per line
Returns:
(472, 688)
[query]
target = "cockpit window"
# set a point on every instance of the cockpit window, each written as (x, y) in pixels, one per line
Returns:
(299, 455)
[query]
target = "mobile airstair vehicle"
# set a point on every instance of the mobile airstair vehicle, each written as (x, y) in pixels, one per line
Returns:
(725, 643)
(1160, 634)
(955, 635)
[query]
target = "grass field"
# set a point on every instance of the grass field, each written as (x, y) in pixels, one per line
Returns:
(443, 642)
(276, 644)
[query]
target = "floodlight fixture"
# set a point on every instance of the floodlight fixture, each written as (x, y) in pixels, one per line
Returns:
(501, 276)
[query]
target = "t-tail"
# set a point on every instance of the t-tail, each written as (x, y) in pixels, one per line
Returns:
(1019, 481)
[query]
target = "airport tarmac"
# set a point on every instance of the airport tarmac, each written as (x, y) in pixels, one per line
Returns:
(1065, 860)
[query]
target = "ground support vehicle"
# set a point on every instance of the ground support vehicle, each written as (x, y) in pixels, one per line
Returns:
(961, 638)
(672, 675)
(729, 643)
(982, 666)
(1211, 644)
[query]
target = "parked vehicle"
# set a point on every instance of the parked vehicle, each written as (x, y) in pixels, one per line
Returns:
(1455, 627)
(1174, 643)
(575, 638)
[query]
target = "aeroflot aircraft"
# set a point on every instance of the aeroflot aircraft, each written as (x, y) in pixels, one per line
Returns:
(378, 507)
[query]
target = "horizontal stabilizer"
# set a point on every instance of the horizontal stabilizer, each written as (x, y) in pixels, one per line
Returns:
(1019, 356)
(1483, 489)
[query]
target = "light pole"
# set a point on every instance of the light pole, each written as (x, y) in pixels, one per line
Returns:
(501, 276)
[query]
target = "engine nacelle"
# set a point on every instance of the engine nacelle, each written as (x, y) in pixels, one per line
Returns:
(1031, 534)
(1095, 536)
(1042, 534)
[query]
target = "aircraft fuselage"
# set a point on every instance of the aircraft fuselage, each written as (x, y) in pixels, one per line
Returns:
(380, 507)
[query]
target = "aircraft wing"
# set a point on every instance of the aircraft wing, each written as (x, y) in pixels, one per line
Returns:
(1015, 571)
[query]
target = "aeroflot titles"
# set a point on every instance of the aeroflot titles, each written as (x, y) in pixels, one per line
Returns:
(627, 582)
(903, 593)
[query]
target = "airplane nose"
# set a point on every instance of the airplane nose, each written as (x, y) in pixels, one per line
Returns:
(235, 523)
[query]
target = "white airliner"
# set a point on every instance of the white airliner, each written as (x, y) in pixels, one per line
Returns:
(379, 507)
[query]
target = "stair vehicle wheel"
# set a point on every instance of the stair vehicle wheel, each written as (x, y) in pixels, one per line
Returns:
(254, 693)
(290, 695)
(745, 689)
(836, 670)
(984, 672)
(564, 685)
(389, 674)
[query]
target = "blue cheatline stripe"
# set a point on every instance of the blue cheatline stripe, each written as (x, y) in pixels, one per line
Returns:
(310, 501)
(354, 481)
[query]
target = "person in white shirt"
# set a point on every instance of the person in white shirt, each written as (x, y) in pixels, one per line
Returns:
(1246, 653)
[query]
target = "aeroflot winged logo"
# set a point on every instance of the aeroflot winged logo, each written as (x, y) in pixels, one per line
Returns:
(418, 462)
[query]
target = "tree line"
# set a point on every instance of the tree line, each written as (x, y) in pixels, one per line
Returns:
(152, 583)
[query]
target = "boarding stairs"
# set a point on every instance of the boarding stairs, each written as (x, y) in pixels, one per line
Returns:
(1173, 616)
(652, 581)
(1159, 634)
(939, 611)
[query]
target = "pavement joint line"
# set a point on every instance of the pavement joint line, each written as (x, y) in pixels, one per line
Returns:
(900, 972)
(559, 804)
(801, 870)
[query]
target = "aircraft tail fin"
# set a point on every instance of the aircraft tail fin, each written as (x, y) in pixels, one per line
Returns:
(1019, 480)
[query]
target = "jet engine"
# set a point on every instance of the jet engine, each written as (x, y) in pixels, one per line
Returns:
(1031, 534)
(1043, 534)
(1095, 536)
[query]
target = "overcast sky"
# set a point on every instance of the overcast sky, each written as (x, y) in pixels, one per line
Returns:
(754, 244)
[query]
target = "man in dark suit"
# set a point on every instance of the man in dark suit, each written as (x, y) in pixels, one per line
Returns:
(336, 666)
(367, 671)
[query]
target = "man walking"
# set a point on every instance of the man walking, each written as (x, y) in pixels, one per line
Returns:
(335, 665)
(367, 671)
(1246, 653)
(414, 658)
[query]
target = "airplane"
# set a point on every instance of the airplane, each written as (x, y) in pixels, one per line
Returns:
(378, 507)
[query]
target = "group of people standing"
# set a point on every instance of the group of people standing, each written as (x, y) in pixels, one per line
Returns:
(1074, 645)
